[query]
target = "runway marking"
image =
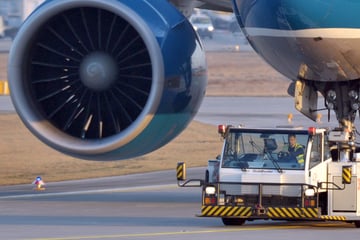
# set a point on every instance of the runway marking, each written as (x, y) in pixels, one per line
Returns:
(107, 190)
(195, 232)
(133, 235)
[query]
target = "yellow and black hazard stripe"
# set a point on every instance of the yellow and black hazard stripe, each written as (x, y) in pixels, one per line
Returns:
(292, 213)
(180, 171)
(225, 211)
(346, 174)
(333, 218)
(272, 212)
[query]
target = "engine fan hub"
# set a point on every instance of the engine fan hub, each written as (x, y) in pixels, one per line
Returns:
(98, 71)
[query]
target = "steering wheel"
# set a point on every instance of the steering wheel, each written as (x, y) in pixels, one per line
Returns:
(283, 155)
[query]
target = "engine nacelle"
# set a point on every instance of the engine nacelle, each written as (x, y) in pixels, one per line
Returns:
(107, 80)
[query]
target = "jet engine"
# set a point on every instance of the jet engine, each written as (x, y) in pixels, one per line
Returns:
(106, 80)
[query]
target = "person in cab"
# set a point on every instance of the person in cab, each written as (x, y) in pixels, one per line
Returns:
(296, 150)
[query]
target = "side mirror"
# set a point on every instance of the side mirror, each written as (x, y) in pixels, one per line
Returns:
(346, 174)
(181, 171)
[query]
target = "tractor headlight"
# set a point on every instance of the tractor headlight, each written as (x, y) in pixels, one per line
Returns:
(210, 190)
(310, 192)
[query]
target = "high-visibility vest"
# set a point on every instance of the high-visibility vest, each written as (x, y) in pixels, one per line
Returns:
(299, 157)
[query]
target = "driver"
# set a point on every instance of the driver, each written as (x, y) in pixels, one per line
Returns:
(296, 150)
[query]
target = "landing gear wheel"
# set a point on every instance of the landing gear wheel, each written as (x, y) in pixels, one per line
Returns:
(233, 221)
(357, 224)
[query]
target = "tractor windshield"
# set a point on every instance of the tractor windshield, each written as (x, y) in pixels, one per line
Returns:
(265, 149)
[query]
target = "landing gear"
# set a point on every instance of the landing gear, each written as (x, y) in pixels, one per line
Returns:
(342, 97)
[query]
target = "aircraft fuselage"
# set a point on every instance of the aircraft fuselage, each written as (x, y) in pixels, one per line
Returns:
(313, 40)
(315, 43)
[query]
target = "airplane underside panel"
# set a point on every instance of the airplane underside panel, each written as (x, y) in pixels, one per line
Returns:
(313, 58)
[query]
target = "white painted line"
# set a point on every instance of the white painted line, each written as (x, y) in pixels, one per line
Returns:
(107, 190)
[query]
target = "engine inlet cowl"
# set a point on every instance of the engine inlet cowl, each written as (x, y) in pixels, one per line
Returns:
(89, 77)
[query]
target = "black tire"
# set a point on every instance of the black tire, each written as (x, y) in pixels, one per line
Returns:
(233, 221)
(357, 224)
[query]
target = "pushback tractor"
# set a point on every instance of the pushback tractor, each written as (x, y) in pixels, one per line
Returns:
(281, 174)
